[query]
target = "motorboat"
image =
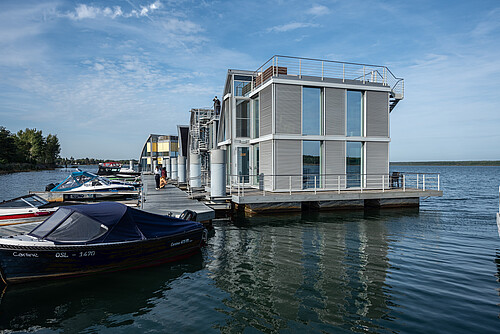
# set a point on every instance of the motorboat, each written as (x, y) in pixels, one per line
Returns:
(115, 170)
(25, 208)
(81, 240)
(85, 181)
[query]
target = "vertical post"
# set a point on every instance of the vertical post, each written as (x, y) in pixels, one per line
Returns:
(230, 185)
(322, 70)
(343, 72)
(315, 184)
(383, 184)
(300, 68)
(385, 76)
(363, 73)
(423, 182)
(276, 65)
(290, 184)
(404, 182)
(417, 181)
(439, 186)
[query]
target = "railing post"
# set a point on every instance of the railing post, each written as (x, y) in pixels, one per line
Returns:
(300, 68)
(385, 76)
(439, 186)
(404, 182)
(343, 72)
(276, 65)
(383, 183)
(363, 73)
(423, 182)
(417, 181)
(315, 184)
(322, 71)
(361, 182)
(290, 184)
(338, 183)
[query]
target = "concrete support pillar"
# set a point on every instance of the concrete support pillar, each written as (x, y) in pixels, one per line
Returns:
(173, 162)
(181, 163)
(194, 170)
(168, 167)
(217, 173)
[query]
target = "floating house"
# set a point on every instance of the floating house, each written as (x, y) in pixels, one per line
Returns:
(157, 150)
(300, 131)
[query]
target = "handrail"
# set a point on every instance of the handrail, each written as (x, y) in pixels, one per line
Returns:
(300, 66)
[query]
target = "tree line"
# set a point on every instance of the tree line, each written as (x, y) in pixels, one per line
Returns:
(28, 146)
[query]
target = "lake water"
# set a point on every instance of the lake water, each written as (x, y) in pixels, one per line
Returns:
(430, 270)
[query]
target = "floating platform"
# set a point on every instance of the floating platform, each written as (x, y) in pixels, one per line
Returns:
(171, 200)
(253, 200)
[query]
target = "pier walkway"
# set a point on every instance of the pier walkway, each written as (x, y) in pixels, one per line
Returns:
(171, 199)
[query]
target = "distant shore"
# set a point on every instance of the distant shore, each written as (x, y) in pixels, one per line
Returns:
(447, 163)
(23, 167)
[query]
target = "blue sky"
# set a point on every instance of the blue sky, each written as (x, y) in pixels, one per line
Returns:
(102, 75)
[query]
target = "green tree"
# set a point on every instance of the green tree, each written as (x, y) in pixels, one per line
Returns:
(52, 149)
(8, 148)
(32, 144)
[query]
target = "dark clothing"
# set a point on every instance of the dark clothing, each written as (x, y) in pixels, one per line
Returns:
(216, 106)
(157, 180)
(164, 172)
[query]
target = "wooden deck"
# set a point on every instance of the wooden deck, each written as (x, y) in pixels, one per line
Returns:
(172, 199)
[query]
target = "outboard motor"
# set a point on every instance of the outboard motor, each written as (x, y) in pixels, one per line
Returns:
(188, 215)
(49, 187)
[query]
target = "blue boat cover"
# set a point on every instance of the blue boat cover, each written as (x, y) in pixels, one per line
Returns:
(123, 223)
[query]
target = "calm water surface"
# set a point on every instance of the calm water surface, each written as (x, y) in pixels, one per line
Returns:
(433, 270)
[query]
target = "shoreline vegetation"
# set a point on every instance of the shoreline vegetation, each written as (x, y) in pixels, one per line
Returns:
(447, 163)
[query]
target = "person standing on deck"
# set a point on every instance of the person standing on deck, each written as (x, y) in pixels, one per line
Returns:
(157, 177)
(216, 105)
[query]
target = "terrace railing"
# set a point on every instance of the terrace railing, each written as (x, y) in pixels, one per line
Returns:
(306, 67)
(295, 183)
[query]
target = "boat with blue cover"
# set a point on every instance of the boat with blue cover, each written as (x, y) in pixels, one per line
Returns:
(85, 239)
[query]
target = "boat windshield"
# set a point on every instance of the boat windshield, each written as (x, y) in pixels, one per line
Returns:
(77, 228)
(35, 201)
(74, 181)
(48, 225)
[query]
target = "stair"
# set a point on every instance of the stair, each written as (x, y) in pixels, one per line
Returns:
(394, 100)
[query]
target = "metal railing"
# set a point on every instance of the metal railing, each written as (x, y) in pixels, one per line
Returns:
(293, 183)
(306, 67)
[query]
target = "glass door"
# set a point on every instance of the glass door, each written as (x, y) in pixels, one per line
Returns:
(243, 165)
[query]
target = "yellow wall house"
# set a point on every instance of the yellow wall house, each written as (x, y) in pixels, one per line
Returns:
(155, 149)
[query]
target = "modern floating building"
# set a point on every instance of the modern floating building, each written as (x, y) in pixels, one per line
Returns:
(157, 150)
(312, 132)
(298, 133)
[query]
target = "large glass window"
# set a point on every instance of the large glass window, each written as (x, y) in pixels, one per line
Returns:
(311, 111)
(243, 165)
(311, 163)
(256, 161)
(242, 119)
(354, 152)
(242, 85)
(354, 113)
(256, 115)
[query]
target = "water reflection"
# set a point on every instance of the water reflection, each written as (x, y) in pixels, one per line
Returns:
(324, 269)
(75, 305)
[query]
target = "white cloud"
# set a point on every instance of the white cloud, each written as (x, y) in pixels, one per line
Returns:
(83, 11)
(318, 10)
(292, 26)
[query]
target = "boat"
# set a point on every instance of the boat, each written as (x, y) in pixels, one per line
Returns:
(115, 170)
(27, 208)
(82, 181)
(81, 240)
(498, 213)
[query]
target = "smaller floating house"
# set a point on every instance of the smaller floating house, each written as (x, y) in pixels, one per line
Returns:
(157, 150)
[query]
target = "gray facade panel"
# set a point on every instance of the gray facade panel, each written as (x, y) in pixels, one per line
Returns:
(266, 119)
(377, 114)
(335, 111)
(377, 164)
(288, 154)
(266, 167)
(334, 162)
(288, 115)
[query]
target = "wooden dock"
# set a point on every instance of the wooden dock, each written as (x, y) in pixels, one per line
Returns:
(172, 199)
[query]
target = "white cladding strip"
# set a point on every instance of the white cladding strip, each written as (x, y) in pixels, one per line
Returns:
(318, 137)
